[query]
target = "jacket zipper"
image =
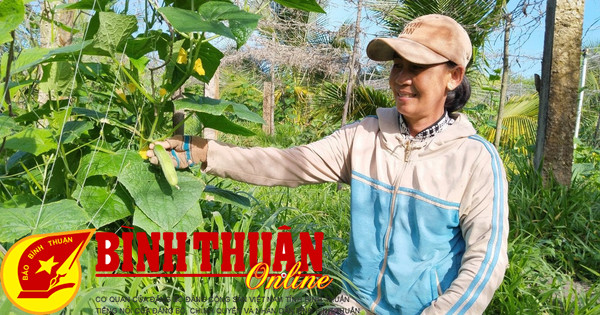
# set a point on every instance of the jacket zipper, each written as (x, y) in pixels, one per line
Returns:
(389, 228)
(407, 151)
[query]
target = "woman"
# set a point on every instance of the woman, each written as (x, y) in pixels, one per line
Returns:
(429, 197)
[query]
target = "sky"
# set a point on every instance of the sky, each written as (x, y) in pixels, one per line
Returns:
(527, 43)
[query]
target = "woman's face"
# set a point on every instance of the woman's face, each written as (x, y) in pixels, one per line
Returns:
(420, 90)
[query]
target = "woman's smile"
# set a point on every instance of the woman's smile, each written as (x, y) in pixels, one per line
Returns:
(420, 91)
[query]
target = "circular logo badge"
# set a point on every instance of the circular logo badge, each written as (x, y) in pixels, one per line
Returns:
(41, 273)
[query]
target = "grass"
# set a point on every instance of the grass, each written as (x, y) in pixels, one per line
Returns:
(313, 208)
(565, 220)
(554, 251)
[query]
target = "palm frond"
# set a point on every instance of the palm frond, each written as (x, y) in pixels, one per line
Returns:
(519, 125)
(365, 101)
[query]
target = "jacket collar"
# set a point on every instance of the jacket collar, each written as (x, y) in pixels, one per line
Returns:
(428, 132)
(391, 137)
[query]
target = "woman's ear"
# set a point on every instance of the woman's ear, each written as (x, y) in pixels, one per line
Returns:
(456, 76)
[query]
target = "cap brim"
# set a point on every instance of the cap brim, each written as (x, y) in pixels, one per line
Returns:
(383, 49)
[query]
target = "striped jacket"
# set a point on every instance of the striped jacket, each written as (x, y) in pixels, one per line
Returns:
(428, 221)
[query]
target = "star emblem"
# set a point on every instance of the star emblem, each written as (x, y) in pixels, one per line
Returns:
(47, 265)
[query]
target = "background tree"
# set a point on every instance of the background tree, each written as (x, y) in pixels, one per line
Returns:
(504, 82)
(558, 94)
(352, 66)
(294, 51)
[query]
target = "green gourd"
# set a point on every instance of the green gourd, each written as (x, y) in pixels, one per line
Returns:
(164, 160)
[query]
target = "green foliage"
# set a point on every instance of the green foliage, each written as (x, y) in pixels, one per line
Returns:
(7, 126)
(307, 5)
(113, 31)
(63, 215)
(530, 283)
(103, 204)
(553, 245)
(80, 136)
(519, 124)
(586, 163)
(73, 161)
(97, 5)
(563, 219)
(12, 13)
(188, 222)
(153, 195)
(365, 101)
(58, 78)
(217, 107)
(34, 141)
(209, 19)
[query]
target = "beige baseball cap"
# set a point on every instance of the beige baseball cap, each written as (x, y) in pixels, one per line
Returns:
(428, 39)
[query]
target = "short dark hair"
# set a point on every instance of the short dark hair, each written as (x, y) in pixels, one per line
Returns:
(457, 98)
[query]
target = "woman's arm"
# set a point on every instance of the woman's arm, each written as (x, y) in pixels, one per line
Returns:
(326, 160)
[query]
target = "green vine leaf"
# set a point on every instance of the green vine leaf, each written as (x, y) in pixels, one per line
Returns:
(139, 63)
(73, 130)
(306, 5)
(32, 140)
(13, 87)
(188, 223)
(96, 5)
(85, 112)
(140, 46)
(241, 23)
(114, 29)
(15, 159)
(209, 19)
(217, 107)
(67, 51)
(7, 126)
(242, 30)
(58, 78)
(12, 13)
(161, 203)
(223, 124)
(21, 201)
(220, 10)
(29, 58)
(211, 59)
(186, 21)
(108, 164)
(102, 205)
(63, 215)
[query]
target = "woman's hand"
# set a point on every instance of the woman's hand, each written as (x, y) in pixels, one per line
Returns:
(185, 151)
